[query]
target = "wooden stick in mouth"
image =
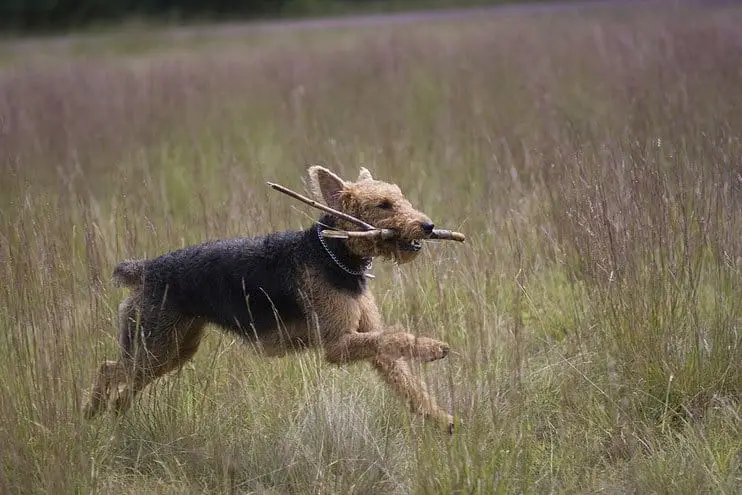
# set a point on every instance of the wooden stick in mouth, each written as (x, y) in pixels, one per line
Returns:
(369, 230)
(388, 234)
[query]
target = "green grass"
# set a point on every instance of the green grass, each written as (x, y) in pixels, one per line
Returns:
(592, 159)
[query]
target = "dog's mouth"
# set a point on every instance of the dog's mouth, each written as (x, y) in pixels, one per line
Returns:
(410, 246)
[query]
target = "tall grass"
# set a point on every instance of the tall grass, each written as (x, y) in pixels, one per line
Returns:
(593, 159)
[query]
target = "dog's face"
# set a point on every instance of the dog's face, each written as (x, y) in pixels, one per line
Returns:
(379, 203)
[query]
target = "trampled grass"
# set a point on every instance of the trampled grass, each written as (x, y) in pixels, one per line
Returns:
(593, 159)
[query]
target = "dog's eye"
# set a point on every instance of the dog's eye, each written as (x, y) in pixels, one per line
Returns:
(385, 205)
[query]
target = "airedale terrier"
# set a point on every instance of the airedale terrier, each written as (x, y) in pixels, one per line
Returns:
(284, 291)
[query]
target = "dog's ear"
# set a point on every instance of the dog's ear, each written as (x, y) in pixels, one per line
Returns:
(364, 175)
(326, 186)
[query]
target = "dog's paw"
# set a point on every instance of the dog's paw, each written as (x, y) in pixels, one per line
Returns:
(444, 420)
(454, 424)
(122, 403)
(95, 404)
(91, 410)
(431, 349)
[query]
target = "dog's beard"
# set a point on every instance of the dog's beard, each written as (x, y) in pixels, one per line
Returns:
(408, 246)
(400, 251)
(402, 256)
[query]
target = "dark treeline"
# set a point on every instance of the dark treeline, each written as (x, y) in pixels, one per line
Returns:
(42, 15)
(23, 15)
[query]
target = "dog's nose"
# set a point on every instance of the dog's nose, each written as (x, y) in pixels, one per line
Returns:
(428, 227)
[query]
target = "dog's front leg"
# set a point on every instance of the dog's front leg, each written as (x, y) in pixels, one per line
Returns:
(395, 340)
(356, 346)
(396, 373)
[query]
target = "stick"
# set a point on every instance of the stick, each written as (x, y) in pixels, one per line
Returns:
(322, 207)
(386, 234)
(448, 235)
(370, 231)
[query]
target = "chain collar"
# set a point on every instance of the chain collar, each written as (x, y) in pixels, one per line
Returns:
(364, 268)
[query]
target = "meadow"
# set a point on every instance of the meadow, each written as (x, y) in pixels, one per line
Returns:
(593, 158)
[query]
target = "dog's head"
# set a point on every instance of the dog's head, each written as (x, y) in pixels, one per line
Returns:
(378, 203)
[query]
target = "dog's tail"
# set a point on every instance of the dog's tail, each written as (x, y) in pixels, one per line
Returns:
(128, 273)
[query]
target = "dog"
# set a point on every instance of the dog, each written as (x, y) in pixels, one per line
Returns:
(285, 291)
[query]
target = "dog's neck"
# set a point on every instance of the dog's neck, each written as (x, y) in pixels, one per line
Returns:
(338, 251)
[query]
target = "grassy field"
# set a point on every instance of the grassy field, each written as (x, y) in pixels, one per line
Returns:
(593, 159)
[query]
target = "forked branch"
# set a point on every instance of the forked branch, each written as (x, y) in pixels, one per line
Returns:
(387, 234)
(369, 230)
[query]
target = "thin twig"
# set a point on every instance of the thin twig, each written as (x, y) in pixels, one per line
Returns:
(322, 207)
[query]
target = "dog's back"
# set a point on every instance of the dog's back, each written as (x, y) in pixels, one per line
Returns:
(241, 284)
(246, 285)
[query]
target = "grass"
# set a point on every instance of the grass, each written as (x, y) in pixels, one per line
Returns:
(592, 158)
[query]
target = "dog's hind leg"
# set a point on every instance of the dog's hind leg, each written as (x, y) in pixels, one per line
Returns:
(110, 375)
(152, 346)
(182, 344)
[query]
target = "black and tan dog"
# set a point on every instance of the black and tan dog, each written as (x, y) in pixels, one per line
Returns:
(284, 291)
